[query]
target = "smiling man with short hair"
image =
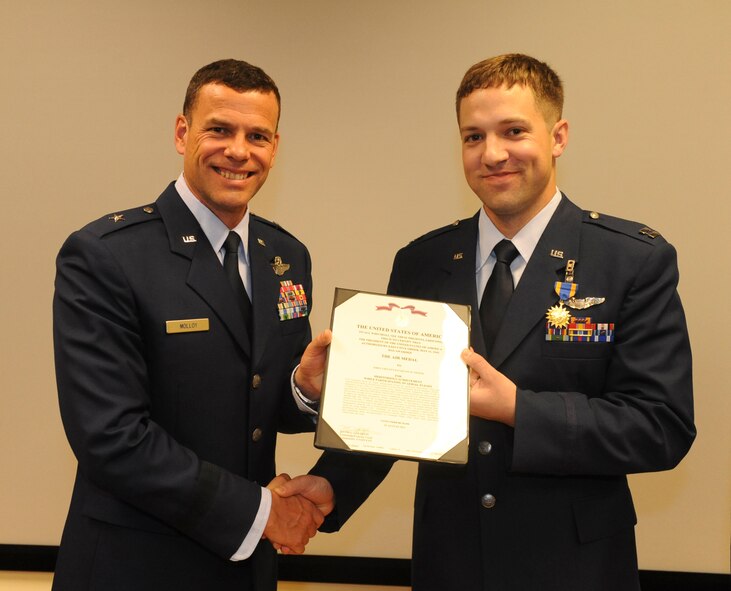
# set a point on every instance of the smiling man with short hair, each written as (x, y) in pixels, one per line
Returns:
(580, 376)
(176, 343)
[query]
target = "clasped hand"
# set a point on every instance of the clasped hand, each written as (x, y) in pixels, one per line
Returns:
(299, 507)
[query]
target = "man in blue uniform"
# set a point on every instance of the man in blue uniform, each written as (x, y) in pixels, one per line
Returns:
(177, 327)
(580, 373)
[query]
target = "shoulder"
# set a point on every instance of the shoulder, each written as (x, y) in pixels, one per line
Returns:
(116, 234)
(442, 232)
(273, 230)
(613, 227)
(436, 242)
(437, 237)
(119, 221)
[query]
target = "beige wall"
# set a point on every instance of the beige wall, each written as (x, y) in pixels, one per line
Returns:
(369, 159)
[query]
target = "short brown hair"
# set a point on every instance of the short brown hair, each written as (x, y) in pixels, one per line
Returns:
(236, 74)
(515, 68)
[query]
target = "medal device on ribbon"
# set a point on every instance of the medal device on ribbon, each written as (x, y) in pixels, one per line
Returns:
(559, 315)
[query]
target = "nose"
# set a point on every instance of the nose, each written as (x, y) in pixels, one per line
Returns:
(238, 147)
(495, 152)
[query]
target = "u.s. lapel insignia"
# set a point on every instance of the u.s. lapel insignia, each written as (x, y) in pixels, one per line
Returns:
(189, 239)
(280, 267)
(458, 256)
(261, 241)
(117, 217)
(556, 254)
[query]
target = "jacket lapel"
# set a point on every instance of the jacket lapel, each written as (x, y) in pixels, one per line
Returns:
(535, 292)
(457, 266)
(265, 284)
(206, 276)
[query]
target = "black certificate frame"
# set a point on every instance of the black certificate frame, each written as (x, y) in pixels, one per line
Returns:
(327, 438)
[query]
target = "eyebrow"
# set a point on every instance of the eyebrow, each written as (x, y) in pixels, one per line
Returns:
(514, 121)
(503, 122)
(218, 122)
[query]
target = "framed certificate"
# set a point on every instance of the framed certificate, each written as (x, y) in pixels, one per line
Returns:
(394, 382)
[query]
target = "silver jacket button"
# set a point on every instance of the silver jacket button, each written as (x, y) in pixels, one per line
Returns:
(488, 501)
(484, 447)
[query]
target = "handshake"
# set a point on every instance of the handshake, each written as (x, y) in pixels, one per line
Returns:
(299, 506)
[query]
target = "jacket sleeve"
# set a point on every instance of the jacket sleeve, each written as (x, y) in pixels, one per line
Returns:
(642, 419)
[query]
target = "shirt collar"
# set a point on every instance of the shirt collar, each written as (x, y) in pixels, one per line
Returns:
(214, 229)
(525, 240)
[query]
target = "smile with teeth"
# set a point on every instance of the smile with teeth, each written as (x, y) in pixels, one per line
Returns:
(232, 176)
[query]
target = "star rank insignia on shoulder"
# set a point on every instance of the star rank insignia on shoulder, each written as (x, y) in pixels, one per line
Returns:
(132, 215)
(119, 220)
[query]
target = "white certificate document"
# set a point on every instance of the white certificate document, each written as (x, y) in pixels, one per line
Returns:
(395, 383)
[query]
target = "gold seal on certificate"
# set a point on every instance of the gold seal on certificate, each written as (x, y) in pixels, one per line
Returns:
(395, 383)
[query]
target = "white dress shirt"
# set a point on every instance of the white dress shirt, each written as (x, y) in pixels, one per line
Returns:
(525, 242)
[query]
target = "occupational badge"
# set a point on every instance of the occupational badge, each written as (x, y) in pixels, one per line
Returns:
(280, 267)
(583, 303)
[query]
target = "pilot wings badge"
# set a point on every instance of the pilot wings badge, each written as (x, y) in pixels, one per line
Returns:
(583, 303)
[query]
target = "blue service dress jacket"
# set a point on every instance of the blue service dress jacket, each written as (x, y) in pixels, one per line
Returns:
(171, 409)
(545, 505)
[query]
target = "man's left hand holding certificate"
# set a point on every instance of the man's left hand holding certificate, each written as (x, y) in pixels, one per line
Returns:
(395, 383)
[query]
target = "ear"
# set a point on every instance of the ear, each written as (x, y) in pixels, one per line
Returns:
(560, 135)
(181, 133)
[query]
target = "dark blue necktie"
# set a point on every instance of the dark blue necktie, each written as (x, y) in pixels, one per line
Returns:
(497, 294)
(231, 266)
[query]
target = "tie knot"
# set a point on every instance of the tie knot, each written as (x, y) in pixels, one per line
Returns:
(505, 251)
(231, 244)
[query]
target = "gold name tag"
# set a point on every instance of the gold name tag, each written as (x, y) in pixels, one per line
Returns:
(189, 325)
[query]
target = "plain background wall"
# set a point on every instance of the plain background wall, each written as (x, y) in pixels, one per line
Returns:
(369, 159)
